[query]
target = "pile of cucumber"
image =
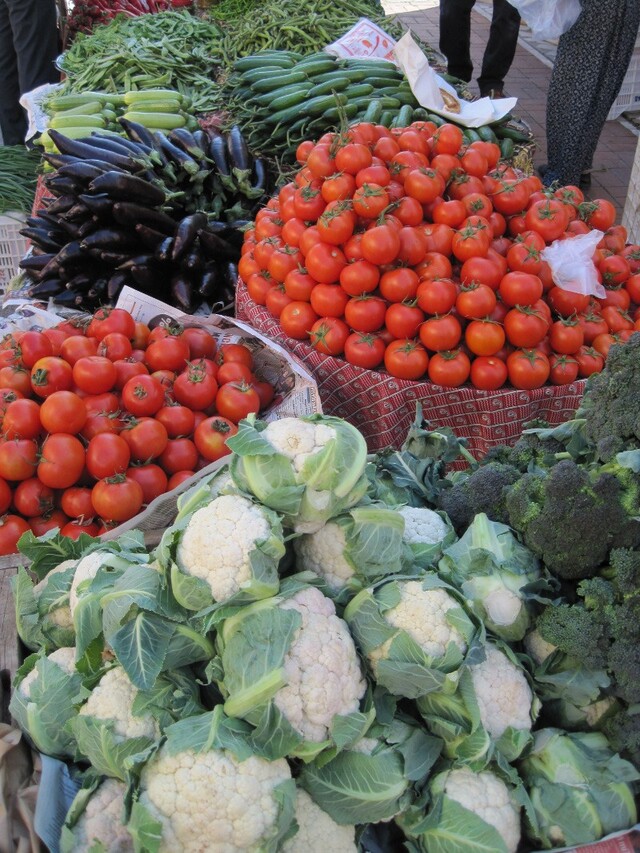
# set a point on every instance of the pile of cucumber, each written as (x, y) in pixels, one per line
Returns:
(281, 98)
(78, 115)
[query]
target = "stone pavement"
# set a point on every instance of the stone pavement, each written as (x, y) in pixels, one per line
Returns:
(528, 80)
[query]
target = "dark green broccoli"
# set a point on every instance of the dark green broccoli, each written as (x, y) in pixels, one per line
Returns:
(623, 732)
(571, 517)
(611, 402)
(481, 491)
(577, 632)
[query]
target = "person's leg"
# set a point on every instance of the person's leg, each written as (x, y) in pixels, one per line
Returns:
(12, 121)
(501, 47)
(584, 83)
(455, 36)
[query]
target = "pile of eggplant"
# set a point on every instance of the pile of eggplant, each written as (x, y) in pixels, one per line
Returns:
(162, 212)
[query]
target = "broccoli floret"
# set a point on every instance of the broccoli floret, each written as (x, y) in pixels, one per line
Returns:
(577, 632)
(623, 733)
(611, 402)
(624, 569)
(482, 490)
(570, 517)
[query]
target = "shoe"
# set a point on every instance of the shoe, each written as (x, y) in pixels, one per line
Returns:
(494, 94)
(585, 181)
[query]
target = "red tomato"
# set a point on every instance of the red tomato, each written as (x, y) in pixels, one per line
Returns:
(484, 337)
(169, 353)
(564, 369)
(117, 498)
(450, 368)
(5, 496)
(146, 439)
(403, 320)
(618, 297)
(399, 284)
(232, 371)
(527, 368)
(33, 346)
(475, 301)
(328, 335)
(364, 350)
(548, 217)
(565, 302)
(365, 313)
(196, 388)
(406, 359)
(324, 262)
(566, 336)
(424, 184)
(180, 454)
(41, 524)
(107, 320)
(447, 139)
(441, 333)
(11, 529)
(413, 246)
(21, 420)
(18, 459)
(151, 478)
(276, 299)
(434, 265)
(211, 437)
(336, 187)
(488, 373)
(94, 374)
(510, 196)
(236, 400)
(359, 277)
(234, 352)
(436, 295)
(32, 497)
(63, 411)
(51, 374)
(75, 528)
(599, 213)
(380, 244)
(201, 343)
(589, 361)
(298, 285)
(616, 318)
(520, 288)
(17, 379)
(296, 320)
(329, 300)
(179, 477)
(76, 502)
(615, 270)
(115, 346)
(143, 395)
(62, 461)
(78, 346)
(126, 368)
(369, 200)
(525, 327)
(177, 420)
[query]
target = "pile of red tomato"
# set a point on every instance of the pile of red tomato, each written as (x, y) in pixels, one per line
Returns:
(99, 418)
(409, 251)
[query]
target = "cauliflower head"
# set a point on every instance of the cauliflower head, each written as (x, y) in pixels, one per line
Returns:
(59, 616)
(217, 543)
(112, 700)
(322, 553)
(317, 832)
(422, 613)
(487, 796)
(297, 440)
(86, 570)
(323, 671)
(537, 647)
(502, 692)
(65, 658)
(101, 821)
(422, 525)
(213, 796)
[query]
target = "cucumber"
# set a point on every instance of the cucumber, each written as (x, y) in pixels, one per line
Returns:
(355, 75)
(436, 119)
(270, 84)
(406, 98)
(157, 121)
(269, 60)
(317, 106)
(261, 74)
(373, 112)
(386, 118)
(374, 65)
(470, 135)
(268, 98)
(166, 106)
(289, 99)
(382, 82)
(109, 115)
(507, 148)
(87, 109)
(503, 132)
(151, 95)
(66, 102)
(317, 67)
(390, 104)
(60, 122)
(333, 114)
(405, 116)
(285, 118)
(486, 133)
(337, 84)
(359, 90)
(420, 114)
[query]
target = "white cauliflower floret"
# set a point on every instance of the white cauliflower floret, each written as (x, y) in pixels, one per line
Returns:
(112, 699)
(61, 616)
(297, 440)
(537, 647)
(317, 832)
(218, 540)
(101, 821)
(86, 569)
(322, 552)
(65, 658)
(503, 693)
(422, 525)
(211, 801)
(487, 796)
(322, 667)
(422, 613)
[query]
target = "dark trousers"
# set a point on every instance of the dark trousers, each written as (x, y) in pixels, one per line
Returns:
(455, 37)
(28, 48)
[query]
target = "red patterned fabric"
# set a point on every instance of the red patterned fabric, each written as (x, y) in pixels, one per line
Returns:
(383, 407)
(42, 197)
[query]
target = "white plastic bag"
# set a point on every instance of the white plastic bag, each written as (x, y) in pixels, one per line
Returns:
(572, 266)
(548, 19)
(365, 40)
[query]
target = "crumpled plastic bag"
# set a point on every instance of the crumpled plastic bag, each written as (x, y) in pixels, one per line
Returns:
(548, 19)
(572, 266)
(365, 40)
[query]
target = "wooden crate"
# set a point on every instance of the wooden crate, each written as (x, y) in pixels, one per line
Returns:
(10, 652)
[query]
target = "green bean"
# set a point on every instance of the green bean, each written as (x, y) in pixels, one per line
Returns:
(18, 177)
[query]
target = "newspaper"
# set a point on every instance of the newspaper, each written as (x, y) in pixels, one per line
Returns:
(365, 40)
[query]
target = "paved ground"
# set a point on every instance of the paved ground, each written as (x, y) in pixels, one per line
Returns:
(528, 80)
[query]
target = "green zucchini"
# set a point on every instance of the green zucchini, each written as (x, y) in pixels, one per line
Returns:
(270, 84)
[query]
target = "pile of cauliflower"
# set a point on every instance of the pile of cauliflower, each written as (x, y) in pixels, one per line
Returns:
(287, 660)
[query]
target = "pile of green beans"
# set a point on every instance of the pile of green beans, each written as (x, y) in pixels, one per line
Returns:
(18, 177)
(166, 50)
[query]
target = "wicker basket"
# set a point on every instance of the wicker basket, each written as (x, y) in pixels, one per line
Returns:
(12, 245)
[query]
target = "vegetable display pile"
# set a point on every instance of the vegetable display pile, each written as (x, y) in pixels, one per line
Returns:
(162, 212)
(88, 14)
(281, 98)
(170, 49)
(18, 178)
(314, 655)
(100, 418)
(409, 249)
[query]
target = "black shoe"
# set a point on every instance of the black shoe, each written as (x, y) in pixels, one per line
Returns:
(585, 181)
(494, 94)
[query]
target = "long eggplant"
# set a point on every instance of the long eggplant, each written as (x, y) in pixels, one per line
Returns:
(71, 253)
(128, 213)
(149, 237)
(137, 261)
(137, 132)
(128, 188)
(259, 177)
(88, 227)
(114, 143)
(192, 262)
(109, 239)
(83, 171)
(216, 247)
(69, 299)
(163, 252)
(182, 294)
(41, 238)
(35, 263)
(115, 284)
(80, 282)
(98, 288)
(175, 154)
(146, 277)
(218, 153)
(229, 282)
(46, 288)
(186, 233)
(184, 139)
(112, 259)
(62, 185)
(61, 204)
(209, 283)
(100, 205)
(80, 148)
(239, 155)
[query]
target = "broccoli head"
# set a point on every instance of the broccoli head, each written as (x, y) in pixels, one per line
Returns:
(577, 632)
(482, 490)
(611, 402)
(623, 732)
